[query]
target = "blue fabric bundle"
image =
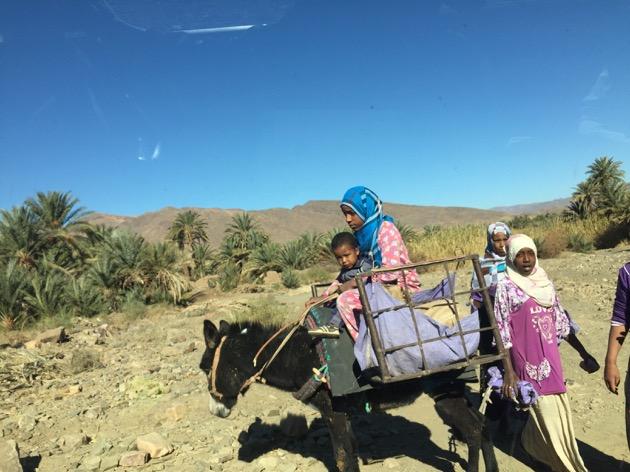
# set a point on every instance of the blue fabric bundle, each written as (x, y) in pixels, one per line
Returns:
(396, 328)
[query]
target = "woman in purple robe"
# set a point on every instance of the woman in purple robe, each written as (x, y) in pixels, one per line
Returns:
(532, 322)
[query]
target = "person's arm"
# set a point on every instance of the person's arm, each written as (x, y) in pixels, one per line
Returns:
(618, 329)
(394, 253)
(502, 316)
(616, 337)
(332, 288)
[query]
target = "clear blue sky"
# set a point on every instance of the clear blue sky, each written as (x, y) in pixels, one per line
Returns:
(455, 103)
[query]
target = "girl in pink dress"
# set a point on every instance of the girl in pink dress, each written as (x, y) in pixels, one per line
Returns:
(532, 322)
(379, 239)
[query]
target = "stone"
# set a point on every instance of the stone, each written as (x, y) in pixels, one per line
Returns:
(74, 389)
(287, 467)
(272, 412)
(154, 444)
(69, 442)
(101, 447)
(175, 413)
(54, 335)
(272, 277)
(91, 463)
(27, 423)
(9, 457)
(133, 459)
(109, 462)
(145, 387)
(293, 426)
(268, 463)
(391, 463)
(191, 348)
(32, 344)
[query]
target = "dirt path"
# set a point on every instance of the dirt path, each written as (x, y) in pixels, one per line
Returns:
(107, 386)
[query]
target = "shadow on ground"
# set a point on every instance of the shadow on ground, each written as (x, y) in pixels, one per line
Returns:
(506, 433)
(379, 435)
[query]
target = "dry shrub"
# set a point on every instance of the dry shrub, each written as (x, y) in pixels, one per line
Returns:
(82, 360)
(612, 236)
(553, 244)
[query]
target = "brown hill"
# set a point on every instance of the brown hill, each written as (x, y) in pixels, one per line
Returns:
(284, 224)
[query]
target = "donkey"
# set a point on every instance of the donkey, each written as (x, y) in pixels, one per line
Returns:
(229, 374)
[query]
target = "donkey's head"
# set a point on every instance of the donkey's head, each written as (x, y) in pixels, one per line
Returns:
(226, 367)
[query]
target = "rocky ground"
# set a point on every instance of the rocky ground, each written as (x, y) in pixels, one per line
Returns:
(123, 391)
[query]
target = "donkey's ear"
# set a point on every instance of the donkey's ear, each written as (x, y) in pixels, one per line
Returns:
(210, 334)
(224, 327)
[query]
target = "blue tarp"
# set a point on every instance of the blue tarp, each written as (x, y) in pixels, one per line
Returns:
(396, 328)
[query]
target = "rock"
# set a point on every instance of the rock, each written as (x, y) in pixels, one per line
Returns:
(287, 467)
(272, 277)
(133, 458)
(268, 463)
(55, 335)
(74, 389)
(101, 447)
(9, 457)
(175, 413)
(69, 442)
(32, 344)
(294, 426)
(109, 462)
(391, 463)
(192, 347)
(27, 422)
(83, 360)
(154, 444)
(145, 387)
(272, 412)
(91, 463)
(224, 455)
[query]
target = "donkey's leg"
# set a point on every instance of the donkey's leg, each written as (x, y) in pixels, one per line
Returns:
(456, 412)
(343, 442)
(341, 436)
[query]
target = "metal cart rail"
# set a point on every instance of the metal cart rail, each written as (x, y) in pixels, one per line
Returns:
(471, 358)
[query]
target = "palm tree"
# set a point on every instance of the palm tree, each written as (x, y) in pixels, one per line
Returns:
(204, 259)
(62, 225)
(13, 284)
(244, 234)
(408, 234)
(160, 267)
(605, 171)
(584, 201)
(124, 252)
(20, 236)
(188, 229)
(263, 259)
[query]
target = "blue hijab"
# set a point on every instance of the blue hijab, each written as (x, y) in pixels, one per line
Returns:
(369, 208)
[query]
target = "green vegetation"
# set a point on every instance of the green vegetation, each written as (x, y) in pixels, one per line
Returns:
(54, 265)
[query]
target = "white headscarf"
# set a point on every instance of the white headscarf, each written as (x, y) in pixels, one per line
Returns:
(537, 285)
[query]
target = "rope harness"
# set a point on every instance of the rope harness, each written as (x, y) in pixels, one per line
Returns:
(258, 375)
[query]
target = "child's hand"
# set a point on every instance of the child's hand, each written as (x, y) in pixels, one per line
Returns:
(589, 364)
(312, 301)
(349, 285)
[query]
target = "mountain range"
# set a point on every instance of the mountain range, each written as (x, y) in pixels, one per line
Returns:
(284, 224)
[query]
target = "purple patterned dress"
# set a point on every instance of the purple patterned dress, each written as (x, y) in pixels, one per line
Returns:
(532, 333)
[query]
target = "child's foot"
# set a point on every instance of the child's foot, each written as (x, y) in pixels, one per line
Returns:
(325, 331)
(589, 364)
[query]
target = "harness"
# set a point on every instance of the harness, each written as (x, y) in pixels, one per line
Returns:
(258, 375)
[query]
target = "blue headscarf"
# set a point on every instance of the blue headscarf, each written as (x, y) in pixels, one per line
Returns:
(494, 228)
(369, 208)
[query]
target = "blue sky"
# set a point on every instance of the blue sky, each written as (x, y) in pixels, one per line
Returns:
(137, 105)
